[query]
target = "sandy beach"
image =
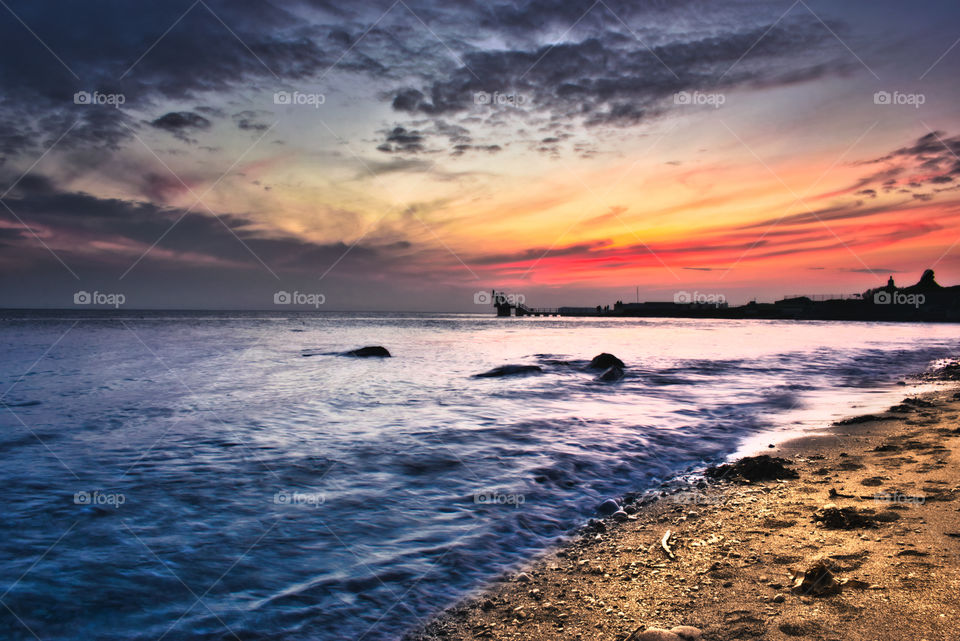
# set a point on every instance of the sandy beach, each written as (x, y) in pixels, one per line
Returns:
(858, 540)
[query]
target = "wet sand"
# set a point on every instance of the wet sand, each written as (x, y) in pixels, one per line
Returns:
(864, 544)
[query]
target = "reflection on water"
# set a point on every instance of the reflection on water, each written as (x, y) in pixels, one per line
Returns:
(269, 495)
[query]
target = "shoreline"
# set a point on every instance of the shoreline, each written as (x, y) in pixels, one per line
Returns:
(864, 544)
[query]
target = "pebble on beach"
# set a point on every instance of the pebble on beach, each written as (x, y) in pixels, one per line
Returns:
(687, 632)
(679, 633)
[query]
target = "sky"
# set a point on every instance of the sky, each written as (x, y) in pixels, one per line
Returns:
(407, 155)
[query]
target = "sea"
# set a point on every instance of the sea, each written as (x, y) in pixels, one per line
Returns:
(228, 475)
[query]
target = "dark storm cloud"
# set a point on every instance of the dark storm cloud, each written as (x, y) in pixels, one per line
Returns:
(402, 140)
(181, 50)
(459, 150)
(614, 79)
(181, 123)
(75, 221)
(8, 235)
(249, 120)
(113, 47)
(931, 159)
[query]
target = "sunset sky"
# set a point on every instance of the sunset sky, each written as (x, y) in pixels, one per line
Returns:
(404, 155)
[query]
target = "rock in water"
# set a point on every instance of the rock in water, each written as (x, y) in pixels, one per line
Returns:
(611, 374)
(370, 350)
(510, 370)
(608, 507)
(605, 361)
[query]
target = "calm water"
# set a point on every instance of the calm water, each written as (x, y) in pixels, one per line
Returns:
(235, 487)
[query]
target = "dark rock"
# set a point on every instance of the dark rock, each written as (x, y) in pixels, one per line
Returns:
(596, 526)
(845, 518)
(608, 507)
(510, 370)
(753, 468)
(611, 374)
(818, 580)
(370, 350)
(887, 447)
(605, 361)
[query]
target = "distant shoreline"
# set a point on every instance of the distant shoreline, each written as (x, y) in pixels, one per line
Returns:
(51, 313)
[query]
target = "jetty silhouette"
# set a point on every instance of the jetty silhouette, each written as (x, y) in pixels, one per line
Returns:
(926, 301)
